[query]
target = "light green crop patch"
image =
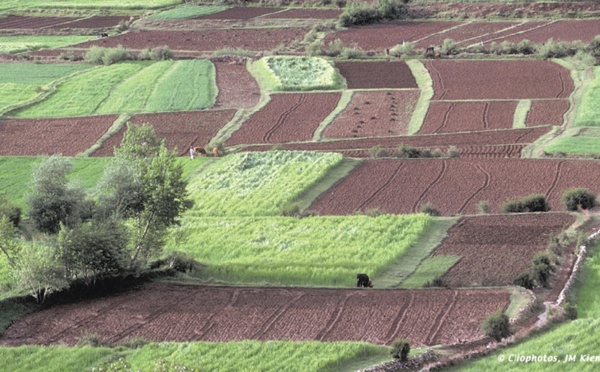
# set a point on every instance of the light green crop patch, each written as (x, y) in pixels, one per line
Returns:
(17, 44)
(298, 74)
(257, 183)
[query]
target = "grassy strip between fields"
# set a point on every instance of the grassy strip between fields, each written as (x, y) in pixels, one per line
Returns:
(521, 112)
(588, 112)
(426, 86)
(430, 269)
(103, 4)
(204, 356)
(18, 44)
(310, 251)
(187, 12)
(576, 337)
(345, 99)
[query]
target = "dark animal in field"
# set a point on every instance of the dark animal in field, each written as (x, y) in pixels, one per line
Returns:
(101, 35)
(362, 280)
(199, 150)
(430, 52)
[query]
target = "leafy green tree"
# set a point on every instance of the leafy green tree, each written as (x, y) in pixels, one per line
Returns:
(160, 195)
(497, 325)
(39, 271)
(93, 250)
(8, 241)
(10, 210)
(52, 200)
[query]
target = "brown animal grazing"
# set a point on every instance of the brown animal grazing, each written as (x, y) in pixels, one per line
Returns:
(362, 280)
(199, 150)
(216, 152)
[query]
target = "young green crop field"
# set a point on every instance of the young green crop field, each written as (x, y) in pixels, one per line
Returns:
(429, 270)
(588, 112)
(131, 88)
(17, 44)
(187, 12)
(298, 251)
(298, 73)
(88, 4)
(257, 183)
(577, 337)
(231, 356)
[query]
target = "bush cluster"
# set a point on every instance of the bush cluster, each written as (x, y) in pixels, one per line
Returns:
(357, 13)
(109, 56)
(538, 274)
(411, 152)
(578, 198)
(496, 326)
(529, 203)
(400, 349)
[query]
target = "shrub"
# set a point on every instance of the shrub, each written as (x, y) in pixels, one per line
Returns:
(535, 203)
(405, 49)
(315, 48)
(108, 56)
(496, 325)
(373, 212)
(430, 209)
(335, 48)
(357, 14)
(540, 273)
(554, 49)
(378, 151)
(400, 349)
(524, 280)
(570, 311)
(435, 283)
(91, 339)
(578, 197)
(353, 53)
(594, 47)
(291, 210)
(10, 210)
(513, 205)
(483, 206)
(525, 47)
(449, 47)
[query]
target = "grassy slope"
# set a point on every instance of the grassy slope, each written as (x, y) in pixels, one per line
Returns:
(573, 337)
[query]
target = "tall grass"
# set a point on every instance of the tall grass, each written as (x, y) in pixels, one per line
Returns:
(187, 12)
(588, 112)
(307, 251)
(298, 73)
(580, 145)
(257, 183)
(17, 44)
(82, 94)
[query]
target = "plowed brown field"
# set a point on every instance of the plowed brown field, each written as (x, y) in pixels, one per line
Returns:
(563, 30)
(494, 250)
(372, 75)
(286, 118)
(237, 88)
(547, 112)
(206, 40)
(161, 312)
(19, 22)
(453, 185)
(180, 129)
(66, 136)
(240, 13)
(468, 33)
(375, 114)
(306, 13)
(451, 117)
(458, 80)
(95, 22)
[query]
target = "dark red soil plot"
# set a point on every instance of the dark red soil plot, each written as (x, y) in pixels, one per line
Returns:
(240, 13)
(371, 75)
(66, 136)
(515, 31)
(525, 10)
(180, 129)
(379, 37)
(563, 30)
(13, 22)
(206, 40)
(95, 22)
(237, 88)
(374, 114)
(454, 186)
(162, 312)
(494, 250)
(468, 33)
(455, 80)
(473, 142)
(547, 112)
(286, 118)
(451, 117)
(306, 13)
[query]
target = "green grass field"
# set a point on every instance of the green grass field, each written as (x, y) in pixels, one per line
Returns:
(91, 4)
(36, 74)
(231, 356)
(132, 88)
(431, 268)
(577, 337)
(17, 44)
(257, 183)
(298, 251)
(187, 12)
(298, 74)
(588, 112)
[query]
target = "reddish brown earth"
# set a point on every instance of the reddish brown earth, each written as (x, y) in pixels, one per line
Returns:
(371, 75)
(380, 36)
(467, 143)
(180, 129)
(286, 118)
(205, 40)
(162, 312)
(547, 112)
(66, 136)
(237, 88)
(465, 32)
(375, 114)
(451, 117)
(240, 13)
(456, 80)
(564, 30)
(306, 13)
(20, 22)
(95, 22)
(494, 250)
(453, 186)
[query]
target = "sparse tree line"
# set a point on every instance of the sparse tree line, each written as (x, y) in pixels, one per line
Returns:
(108, 56)
(114, 230)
